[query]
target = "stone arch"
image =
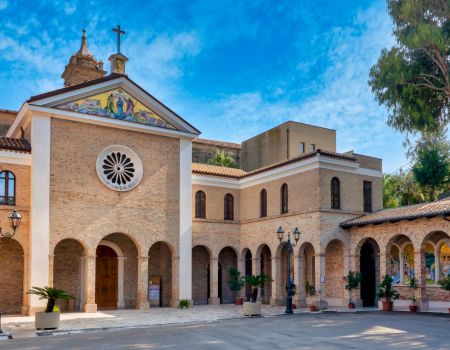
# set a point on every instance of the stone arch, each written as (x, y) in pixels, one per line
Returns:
(12, 276)
(247, 269)
(201, 275)
(435, 256)
(160, 268)
(116, 254)
(282, 254)
(368, 263)
(307, 269)
(400, 259)
(227, 258)
(334, 272)
(264, 254)
(68, 272)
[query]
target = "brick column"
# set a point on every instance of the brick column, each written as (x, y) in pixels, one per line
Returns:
(89, 284)
(276, 298)
(142, 292)
(214, 281)
(241, 268)
(296, 296)
(320, 280)
(437, 265)
(300, 280)
(176, 288)
(421, 279)
(383, 264)
(256, 270)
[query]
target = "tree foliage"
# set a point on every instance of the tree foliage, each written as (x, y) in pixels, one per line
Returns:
(412, 78)
(221, 158)
(51, 295)
(401, 189)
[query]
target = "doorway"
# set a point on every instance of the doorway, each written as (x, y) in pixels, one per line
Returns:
(106, 277)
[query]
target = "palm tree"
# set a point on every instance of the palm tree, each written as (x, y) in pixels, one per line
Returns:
(51, 295)
(256, 281)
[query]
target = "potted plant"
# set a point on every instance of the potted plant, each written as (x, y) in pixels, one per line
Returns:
(235, 283)
(253, 307)
(413, 287)
(387, 293)
(353, 279)
(48, 319)
(311, 291)
(445, 284)
(184, 303)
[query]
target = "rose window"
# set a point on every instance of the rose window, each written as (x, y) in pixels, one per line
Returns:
(119, 168)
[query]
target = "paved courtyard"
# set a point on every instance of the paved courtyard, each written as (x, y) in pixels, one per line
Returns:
(300, 331)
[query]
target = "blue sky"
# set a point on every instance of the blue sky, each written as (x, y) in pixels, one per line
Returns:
(231, 68)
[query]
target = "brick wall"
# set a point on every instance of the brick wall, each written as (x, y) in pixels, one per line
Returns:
(12, 274)
(200, 268)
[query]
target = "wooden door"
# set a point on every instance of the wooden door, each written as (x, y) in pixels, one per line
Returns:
(106, 279)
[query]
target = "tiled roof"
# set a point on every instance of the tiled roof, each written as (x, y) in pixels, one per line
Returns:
(213, 170)
(410, 212)
(218, 143)
(10, 144)
(8, 111)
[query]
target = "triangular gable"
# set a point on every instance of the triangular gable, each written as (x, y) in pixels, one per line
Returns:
(117, 104)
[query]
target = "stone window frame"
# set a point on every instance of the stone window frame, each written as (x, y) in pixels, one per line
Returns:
(228, 207)
(335, 193)
(5, 177)
(200, 205)
(284, 199)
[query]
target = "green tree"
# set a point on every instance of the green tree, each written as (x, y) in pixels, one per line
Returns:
(412, 78)
(221, 158)
(431, 171)
(401, 189)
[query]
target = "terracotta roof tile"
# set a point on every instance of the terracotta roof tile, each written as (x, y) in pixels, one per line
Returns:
(10, 144)
(409, 212)
(218, 143)
(213, 170)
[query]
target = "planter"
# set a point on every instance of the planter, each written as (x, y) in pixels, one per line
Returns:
(294, 306)
(351, 305)
(252, 309)
(312, 308)
(387, 305)
(239, 301)
(46, 320)
(412, 308)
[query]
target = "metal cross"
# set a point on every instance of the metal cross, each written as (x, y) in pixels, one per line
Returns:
(118, 31)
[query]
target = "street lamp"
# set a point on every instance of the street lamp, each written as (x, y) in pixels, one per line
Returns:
(14, 222)
(280, 235)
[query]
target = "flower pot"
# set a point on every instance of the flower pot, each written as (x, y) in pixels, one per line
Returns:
(294, 306)
(239, 301)
(412, 308)
(252, 309)
(387, 305)
(312, 308)
(351, 305)
(46, 320)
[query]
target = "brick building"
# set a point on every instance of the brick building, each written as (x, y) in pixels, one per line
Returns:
(115, 212)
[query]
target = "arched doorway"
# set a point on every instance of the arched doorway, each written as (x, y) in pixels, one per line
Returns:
(200, 275)
(283, 272)
(160, 274)
(11, 272)
(369, 268)
(106, 277)
(306, 271)
(227, 259)
(334, 272)
(265, 256)
(248, 272)
(68, 273)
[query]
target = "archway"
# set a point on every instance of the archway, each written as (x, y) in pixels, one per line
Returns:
(265, 256)
(68, 273)
(116, 280)
(227, 259)
(160, 274)
(200, 275)
(247, 272)
(435, 249)
(283, 273)
(400, 262)
(334, 273)
(369, 264)
(306, 269)
(11, 272)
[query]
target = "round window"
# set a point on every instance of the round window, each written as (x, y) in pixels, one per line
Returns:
(119, 168)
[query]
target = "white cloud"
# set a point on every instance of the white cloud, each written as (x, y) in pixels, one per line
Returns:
(69, 8)
(3, 4)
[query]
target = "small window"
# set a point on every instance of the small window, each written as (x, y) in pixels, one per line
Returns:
(312, 147)
(284, 199)
(367, 196)
(228, 207)
(301, 147)
(200, 205)
(335, 193)
(263, 203)
(7, 188)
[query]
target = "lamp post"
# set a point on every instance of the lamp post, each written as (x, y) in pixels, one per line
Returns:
(280, 235)
(14, 221)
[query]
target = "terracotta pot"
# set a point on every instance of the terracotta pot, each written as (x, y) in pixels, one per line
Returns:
(239, 301)
(312, 308)
(46, 320)
(294, 306)
(351, 305)
(387, 305)
(449, 310)
(412, 308)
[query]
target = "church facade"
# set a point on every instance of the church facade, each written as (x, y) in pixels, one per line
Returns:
(116, 213)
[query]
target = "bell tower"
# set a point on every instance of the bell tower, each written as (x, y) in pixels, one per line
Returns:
(82, 66)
